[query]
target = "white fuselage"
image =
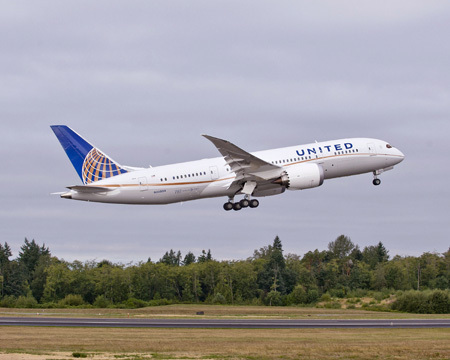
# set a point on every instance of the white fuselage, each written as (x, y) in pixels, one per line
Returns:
(213, 177)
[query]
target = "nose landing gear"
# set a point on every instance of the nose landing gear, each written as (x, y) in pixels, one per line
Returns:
(376, 181)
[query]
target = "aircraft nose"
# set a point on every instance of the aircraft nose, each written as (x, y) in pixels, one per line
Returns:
(400, 154)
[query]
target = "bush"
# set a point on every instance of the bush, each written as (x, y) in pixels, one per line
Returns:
(312, 296)
(333, 305)
(26, 302)
(133, 303)
(160, 302)
(325, 297)
(440, 302)
(102, 302)
(297, 296)
(79, 355)
(71, 300)
(429, 302)
(273, 298)
(8, 301)
(339, 293)
(219, 299)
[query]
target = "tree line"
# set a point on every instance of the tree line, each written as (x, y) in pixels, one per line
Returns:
(269, 277)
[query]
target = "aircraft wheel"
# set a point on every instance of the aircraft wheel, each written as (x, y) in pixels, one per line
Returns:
(244, 203)
(376, 182)
(228, 206)
(237, 206)
(254, 203)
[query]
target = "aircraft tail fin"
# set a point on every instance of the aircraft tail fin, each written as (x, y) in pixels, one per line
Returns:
(90, 163)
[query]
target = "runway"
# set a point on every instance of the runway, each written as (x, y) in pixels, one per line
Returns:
(223, 324)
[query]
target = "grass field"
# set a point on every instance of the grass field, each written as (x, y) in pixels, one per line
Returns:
(228, 343)
(112, 343)
(219, 311)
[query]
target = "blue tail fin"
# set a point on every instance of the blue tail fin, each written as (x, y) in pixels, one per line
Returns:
(89, 162)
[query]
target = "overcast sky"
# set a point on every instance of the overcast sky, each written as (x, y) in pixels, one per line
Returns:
(142, 80)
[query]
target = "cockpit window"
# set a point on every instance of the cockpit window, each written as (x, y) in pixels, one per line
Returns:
(388, 146)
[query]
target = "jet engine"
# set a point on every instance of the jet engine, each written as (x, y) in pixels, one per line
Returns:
(302, 176)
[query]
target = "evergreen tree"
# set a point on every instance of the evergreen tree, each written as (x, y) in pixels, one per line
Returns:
(5, 254)
(205, 256)
(171, 258)
(273, 275)
(382, 253)
(29, 257)
(189, 259)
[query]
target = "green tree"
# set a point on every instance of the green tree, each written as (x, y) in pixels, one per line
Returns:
(171, 258)
(272, 272)
(341, 247)
(29, 257)
(205, 256)
(58, 281)
(189, 259)
(5, 254)
(373, 255)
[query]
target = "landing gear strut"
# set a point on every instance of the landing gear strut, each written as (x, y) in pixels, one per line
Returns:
(376, 181)
(247, 190)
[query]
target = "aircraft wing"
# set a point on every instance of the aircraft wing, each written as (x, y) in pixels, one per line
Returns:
(245, 165)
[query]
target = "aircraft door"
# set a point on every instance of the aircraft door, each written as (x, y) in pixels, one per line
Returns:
(372, 149)
(214, 172)
(143, 184)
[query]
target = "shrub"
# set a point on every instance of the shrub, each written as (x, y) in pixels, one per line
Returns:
(79, 355)
(437, 302)
(134, 303)
(339, 293)
(440, 302)
(8, 301)
(71, 300)
(325, 297)
(102, 302)
(312, 296)
(26, 302)
(219, 299)
(273, 298)
(160, 302)
(297, 296)
(333, 305)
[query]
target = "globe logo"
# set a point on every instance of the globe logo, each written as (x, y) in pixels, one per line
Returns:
(97, 166)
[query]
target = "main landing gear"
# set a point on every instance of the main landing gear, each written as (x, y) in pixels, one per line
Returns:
(236, 206)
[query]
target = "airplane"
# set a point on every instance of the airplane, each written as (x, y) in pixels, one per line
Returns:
(236, 173)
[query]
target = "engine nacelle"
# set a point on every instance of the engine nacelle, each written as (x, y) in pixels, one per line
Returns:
(302, 176)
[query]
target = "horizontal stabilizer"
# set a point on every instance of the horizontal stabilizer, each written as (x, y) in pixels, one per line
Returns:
(90, 189)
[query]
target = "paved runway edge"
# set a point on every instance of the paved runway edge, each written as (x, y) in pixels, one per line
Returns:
(227, 324)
